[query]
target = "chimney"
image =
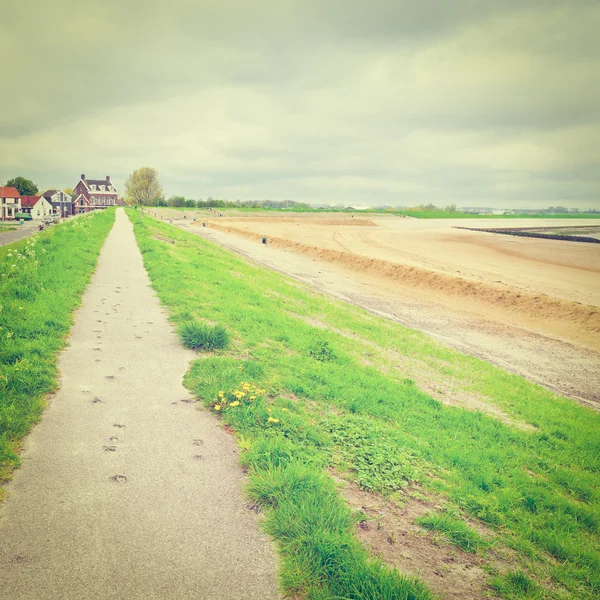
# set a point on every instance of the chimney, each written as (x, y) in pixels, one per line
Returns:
(108, 178)
(83, 176)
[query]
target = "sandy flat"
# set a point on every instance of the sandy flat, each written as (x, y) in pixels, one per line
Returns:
(128, 491)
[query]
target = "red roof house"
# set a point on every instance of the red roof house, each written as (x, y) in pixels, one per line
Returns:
(10, 202)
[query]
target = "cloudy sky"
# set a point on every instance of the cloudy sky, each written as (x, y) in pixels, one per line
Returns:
(473, 102)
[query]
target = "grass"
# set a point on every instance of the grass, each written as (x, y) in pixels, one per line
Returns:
(424, 214)
(200, 336)
(42, 279)
(335, 399)
(454, 530)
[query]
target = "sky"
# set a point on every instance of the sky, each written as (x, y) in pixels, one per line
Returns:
(380, 102)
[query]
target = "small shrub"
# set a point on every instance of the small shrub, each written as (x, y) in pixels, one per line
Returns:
(200, 336)
(322, 352)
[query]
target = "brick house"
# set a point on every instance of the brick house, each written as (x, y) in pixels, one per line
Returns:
(61, 202)
(10, 202)
(93, 194)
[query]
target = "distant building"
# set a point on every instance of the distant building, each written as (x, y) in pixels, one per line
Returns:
(94, 194)
(27, 203)
(61, 203)
(10, 202)
(41, 209)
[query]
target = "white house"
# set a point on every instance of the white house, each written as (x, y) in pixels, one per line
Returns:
(42, 209)
(60, 201)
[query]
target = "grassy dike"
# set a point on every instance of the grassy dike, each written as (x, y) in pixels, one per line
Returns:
(42, 279)
(310, 386)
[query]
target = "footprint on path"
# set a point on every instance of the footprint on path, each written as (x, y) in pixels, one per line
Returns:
(197, 457)
(138, 337)
(118, 478)
(109, 377)
(97, 349)
(198, 442)
(109, 448)
(113, 438)
(96, 400)
(118, 425)
(121, 368)
(97, 360)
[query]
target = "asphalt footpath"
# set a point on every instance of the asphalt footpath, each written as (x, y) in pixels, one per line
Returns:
(127, 490)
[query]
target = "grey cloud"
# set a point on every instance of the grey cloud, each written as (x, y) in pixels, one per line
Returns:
(387, 99)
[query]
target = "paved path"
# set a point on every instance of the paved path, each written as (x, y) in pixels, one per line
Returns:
(127, 491)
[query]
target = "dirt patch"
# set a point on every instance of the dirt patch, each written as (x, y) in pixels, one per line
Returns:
(390, 532)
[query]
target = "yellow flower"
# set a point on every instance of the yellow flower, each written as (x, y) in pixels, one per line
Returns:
(272, 420)
(218, 407)
(252, 397)
(221, 394)
(236, 403)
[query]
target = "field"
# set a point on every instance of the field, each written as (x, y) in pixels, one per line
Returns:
(41, 282)
(371, 487)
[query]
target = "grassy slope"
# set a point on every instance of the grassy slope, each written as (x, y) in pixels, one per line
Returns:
(325, 408)
(42, 279)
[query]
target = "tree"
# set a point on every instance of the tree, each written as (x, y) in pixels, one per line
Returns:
(68, 191)
(142, 187)
(177, 201)
(25, 187)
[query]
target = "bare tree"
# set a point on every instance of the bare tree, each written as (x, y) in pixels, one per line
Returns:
(142, 187)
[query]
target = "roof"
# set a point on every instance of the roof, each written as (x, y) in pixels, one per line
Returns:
(49, 193)
(9, 192)
(29, 200)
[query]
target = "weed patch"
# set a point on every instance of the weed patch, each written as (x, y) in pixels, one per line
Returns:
(200, 336)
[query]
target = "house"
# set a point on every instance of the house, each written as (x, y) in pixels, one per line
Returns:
(81, 204)
(93, 194)
(41, 209)
(27, 203)
(10, 202)
(61, 203)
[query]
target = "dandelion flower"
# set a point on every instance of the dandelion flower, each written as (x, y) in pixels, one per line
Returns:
(236, 403)
(252, 397)
(272, 420)
(218, 407)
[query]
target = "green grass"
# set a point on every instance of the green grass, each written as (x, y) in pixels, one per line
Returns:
(201, 336)
(454, 530)
(335, 399)
(41, 282)
(425, 214)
